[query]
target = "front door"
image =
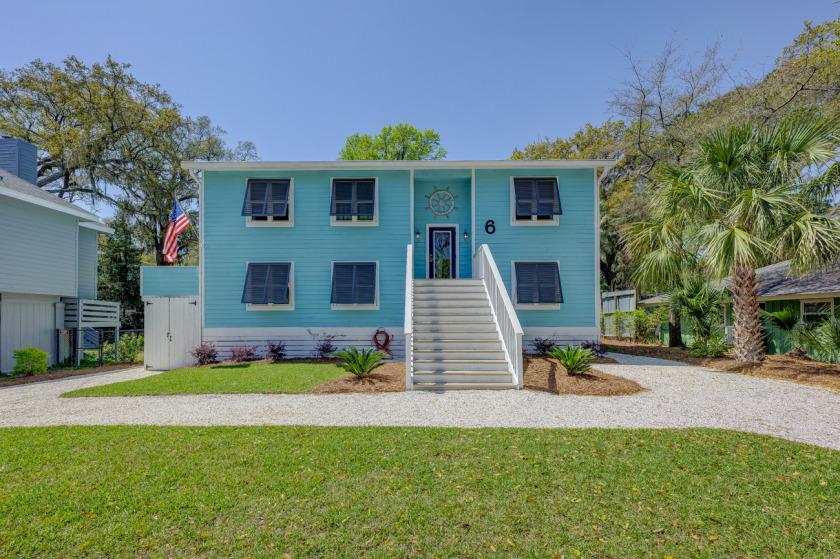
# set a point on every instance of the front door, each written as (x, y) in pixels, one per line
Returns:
(443, 249)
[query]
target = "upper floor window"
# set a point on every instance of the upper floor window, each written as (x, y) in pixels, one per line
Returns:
(269, 285)
(535, 201)
(537, 283)
(269, 202)
(355, 283)
(354, 202)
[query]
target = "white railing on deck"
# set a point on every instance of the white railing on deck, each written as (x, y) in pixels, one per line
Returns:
(82, 313)
(484, 267)
(409, 318)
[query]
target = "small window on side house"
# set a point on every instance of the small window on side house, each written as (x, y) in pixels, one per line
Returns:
(535, 201)
(268, 202)
(816, 311)
(537, 283)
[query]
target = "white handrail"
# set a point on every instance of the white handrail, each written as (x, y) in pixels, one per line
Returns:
(409, 318)
(484, 267)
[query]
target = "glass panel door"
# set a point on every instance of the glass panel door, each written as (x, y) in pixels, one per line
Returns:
(441, 253)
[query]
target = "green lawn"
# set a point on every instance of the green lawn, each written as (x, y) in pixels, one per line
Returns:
(266, 378)
(133, 491)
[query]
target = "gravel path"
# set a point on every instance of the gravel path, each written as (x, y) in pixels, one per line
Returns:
(678, 395)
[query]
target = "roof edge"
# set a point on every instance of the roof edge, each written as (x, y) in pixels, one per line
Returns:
(74, 211)
(403, 164)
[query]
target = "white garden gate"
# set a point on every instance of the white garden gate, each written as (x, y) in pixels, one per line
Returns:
(172, 330)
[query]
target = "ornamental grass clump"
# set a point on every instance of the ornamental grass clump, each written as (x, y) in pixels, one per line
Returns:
(574, 359)
(360, 362)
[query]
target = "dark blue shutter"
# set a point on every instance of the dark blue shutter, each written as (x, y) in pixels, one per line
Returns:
(278, 198)
(354, 283)
(365, 284)
(342, 284)
(255, 195)
(548, 197)
(342, 198)
(548, 277)
(277, 285)
(526, 282)
(365, 191)
(526, 196)
(255, 281)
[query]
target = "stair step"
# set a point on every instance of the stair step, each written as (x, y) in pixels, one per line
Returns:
(451, 304)
(453, 334)
(460, 365)
(464, 386)
(449, 354)
(438, 345)
(448, 282)
(453, 318)
(421, 297)
(460, 289)
(450, 311)
(456, 328)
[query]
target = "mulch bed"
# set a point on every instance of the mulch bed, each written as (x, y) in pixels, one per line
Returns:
(65, 373)
(545, 374)
(390, 377)
(783, 367)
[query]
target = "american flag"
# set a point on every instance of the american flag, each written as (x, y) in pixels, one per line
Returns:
(178, 221)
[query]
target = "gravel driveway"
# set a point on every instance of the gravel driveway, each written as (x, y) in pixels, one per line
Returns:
(678, 395)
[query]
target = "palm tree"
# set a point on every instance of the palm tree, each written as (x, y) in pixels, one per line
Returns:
(701, 303)
(743, 201)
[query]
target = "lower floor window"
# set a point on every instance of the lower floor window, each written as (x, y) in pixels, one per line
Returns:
(537, 282)
(816, 311)
(268, 283)
(353, 283)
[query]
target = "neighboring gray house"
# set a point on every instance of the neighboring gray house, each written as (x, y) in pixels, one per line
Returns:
(48, 258)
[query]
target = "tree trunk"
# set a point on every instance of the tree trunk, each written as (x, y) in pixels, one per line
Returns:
(749, 345)
(674, 330)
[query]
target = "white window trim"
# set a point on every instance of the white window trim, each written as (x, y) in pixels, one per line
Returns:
(290, 206)
(455, 242)
(356, 306)
(354, 222)
(535, 306)
(802, 306)
(274, 306)
(555, 219)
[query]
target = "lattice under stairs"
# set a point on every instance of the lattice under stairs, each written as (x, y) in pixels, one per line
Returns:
(456, 341)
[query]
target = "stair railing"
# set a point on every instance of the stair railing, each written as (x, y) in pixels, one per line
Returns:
(409, 318)
(484, 267)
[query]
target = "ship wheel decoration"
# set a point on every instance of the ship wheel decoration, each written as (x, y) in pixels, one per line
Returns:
(442, 202)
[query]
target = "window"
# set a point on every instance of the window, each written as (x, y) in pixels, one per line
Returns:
(269, 286)
(354, 202)
(535, 201)
(816, 310)
(269, 202)
(355, 283)
(537, 283)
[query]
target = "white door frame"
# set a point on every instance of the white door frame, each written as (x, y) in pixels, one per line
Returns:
(455, 242)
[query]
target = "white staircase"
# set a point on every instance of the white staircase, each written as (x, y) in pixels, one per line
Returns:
(456, 342)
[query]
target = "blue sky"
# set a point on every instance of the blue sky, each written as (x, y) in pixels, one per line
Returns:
(297, 78)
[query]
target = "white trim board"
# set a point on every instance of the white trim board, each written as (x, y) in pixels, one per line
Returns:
(80, 213)
(396, 165)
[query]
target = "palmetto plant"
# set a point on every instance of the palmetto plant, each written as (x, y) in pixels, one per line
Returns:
(743, 201)
(574, 359)
(787, 322)
(823, 339)
(360, 362)
(700, 303)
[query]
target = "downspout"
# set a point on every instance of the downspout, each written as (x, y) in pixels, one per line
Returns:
(598, 307)
(200, 182)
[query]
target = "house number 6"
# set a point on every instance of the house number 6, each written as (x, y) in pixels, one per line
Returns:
(490, 227)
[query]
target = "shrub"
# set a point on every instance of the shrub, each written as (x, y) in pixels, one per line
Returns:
(205, 353)
(574, 359)
(131, 348)
(712, 346)
(242, 353)
(619, 322)
(324, 346)
(823, 340)
(275, 350)
(544, 345)
(30, 360)
(595, 347)
(360, 362)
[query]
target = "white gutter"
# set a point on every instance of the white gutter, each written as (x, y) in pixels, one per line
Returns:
(395, 165)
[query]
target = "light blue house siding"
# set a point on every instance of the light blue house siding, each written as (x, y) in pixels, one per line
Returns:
(571, 242)
(169, 281)
(312, 244)
(457, 183)
(86, 270)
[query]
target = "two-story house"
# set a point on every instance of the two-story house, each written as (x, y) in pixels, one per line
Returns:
(48, 260)
(462, 263)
